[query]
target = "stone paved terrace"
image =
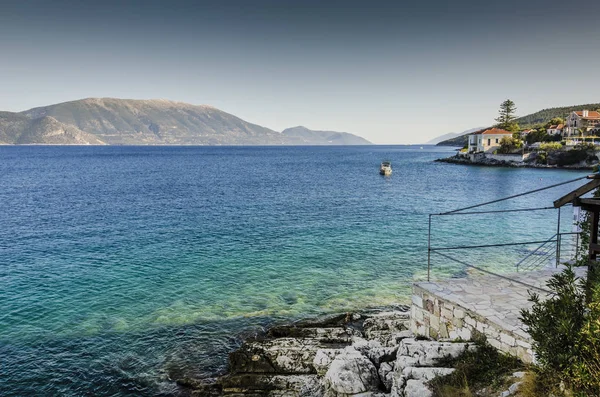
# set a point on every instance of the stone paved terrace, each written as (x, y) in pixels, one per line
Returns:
(454, 308)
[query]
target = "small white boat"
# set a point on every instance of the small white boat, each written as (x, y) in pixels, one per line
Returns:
(386, 168)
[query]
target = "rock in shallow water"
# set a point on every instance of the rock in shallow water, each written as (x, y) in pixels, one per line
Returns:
(345, 356)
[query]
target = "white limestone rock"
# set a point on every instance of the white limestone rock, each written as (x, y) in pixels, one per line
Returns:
(425, 374)
(386, 372)
(416, 388)
(324, 358)
(427, 353)
(382, 326)
(351, 373)
(374, 350)
(397, 337)
(514, 387)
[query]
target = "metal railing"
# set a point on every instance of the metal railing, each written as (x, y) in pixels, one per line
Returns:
(551, 251)
(554, 250)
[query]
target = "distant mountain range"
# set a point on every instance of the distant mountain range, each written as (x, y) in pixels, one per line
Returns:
(450, 136)
(303, 136)
(110, 121)
(529, 121)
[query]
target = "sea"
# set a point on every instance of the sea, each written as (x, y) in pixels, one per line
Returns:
(125, 268)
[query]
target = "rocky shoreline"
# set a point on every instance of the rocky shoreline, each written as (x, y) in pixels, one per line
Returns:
(488, 162)
(369, 354)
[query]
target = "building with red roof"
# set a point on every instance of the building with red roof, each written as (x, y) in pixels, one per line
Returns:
(582, 122)
(555, 129)
(487, 140)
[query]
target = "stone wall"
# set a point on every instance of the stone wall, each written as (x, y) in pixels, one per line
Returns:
(435, 317)
(515, 158)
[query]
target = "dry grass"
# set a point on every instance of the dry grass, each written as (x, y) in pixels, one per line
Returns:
(478, 373)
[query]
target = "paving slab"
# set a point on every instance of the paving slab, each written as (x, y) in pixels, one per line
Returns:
(498, 299)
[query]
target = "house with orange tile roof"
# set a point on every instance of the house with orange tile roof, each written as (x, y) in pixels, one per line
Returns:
(582, 122)
(487, 140)
(526, 132)
(555, 129)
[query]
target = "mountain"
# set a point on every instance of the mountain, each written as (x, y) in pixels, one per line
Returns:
(450, 136)
(441, 138)
(459, 139)
(97, 121)
(303, 136)
(156, 122)
(545, 115)
(16, 128)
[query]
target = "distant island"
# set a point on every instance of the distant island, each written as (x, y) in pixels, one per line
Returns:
(111, 121)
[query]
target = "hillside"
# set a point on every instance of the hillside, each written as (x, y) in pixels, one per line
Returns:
(18, 129)
(303, 136)
(545, 115)
(149, 122)
(529, 121)
(156, 122)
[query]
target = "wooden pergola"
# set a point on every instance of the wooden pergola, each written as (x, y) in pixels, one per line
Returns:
(592, 206)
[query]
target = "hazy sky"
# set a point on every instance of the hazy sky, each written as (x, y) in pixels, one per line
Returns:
(392, 72)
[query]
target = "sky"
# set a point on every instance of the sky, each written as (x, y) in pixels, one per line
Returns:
(391, 71)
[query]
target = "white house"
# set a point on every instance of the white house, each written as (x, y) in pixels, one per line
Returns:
(524, 133)
(556, 129)
(487, 141)
(586, 120)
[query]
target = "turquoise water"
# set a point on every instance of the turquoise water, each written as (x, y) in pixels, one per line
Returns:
(122, 268)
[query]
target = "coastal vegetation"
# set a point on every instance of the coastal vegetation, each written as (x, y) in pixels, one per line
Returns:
(555, 153)
(510, 144)
(565, 329)
(537, 121)
(506, 144)
(506, 118)
(483, 371)
(543, 116)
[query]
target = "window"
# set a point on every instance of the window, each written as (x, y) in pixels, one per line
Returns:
(496, 140)
(489, 141)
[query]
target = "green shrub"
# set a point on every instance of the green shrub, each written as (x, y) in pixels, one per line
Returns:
(509, 144)
(565, 328)
(484, 367)
(542, 158)
(574, 156)
(586, 368)
(551, 146)
(566, 334)
(554, 324)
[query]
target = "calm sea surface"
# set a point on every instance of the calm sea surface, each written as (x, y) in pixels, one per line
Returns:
(124, 267)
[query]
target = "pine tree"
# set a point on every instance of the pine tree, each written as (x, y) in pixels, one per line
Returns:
(507, 115)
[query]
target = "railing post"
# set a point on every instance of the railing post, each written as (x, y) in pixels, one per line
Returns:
(577, 246)
(429, 250)
(558, 239)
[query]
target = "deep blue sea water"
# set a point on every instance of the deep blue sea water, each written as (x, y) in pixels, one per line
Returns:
(124, 267)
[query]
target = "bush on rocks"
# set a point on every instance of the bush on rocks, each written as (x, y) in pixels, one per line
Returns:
(475, 369)
(566, 333)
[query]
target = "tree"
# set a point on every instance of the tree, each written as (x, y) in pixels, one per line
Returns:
(509, 145)
(511, 127)
(554, 121)
(506, 115)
